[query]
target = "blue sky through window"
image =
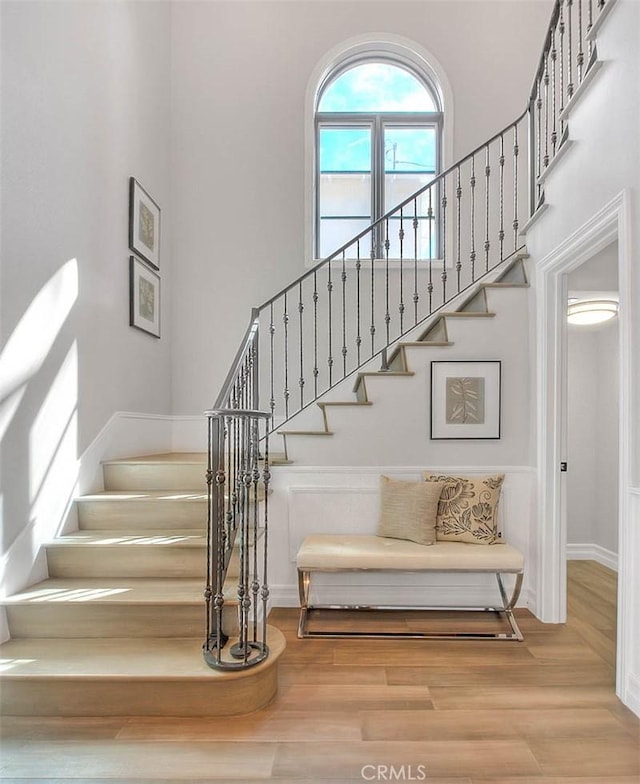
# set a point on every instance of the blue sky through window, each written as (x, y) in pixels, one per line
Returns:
(376, 87)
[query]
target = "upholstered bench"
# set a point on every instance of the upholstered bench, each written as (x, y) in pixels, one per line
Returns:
(340, 553)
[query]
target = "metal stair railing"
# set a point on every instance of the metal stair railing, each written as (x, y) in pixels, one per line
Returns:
(352, 306)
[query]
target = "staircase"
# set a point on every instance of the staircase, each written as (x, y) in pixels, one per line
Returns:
(365, 404)
(118, 626)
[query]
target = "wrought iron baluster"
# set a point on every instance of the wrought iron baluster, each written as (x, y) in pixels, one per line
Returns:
(315, 334)
(416, 295)
(546, 110)
(501, 170)
(372, 328)
(211, 527)
(430, 219)
(343, 278)
(554, 88)
(358, 335)
(458, 227)
(387, 315)
(264, 590)
(401, 305)
(580, 56)
(255, 584)
(487, 185)
(516, 154)
(285, 321)
(443, 275)
(589, 26)
(472, 186)
(539, 116)
(570, 51)
(330, 325)
(562, 29)
(272, 399)
(301, 380)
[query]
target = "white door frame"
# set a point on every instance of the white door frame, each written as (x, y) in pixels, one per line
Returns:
(612, 222)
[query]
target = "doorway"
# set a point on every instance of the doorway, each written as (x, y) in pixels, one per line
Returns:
(592, 449)
(611, 224)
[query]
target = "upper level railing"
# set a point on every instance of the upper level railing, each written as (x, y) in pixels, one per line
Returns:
(568, 55)
(350, 307)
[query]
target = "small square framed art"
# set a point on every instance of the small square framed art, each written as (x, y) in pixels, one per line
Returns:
(144, 224)
(465, 399)
(144, 297)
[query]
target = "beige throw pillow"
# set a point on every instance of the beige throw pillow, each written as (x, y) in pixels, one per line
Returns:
(468, 508)
(408, 510)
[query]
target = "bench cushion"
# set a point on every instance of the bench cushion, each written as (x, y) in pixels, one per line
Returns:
(329, 552)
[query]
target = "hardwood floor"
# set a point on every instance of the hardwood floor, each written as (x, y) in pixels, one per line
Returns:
(465, 712)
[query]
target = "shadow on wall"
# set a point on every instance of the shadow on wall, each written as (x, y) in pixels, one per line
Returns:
(40, 453)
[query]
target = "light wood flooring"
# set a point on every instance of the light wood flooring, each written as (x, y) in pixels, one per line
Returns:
(448, 712)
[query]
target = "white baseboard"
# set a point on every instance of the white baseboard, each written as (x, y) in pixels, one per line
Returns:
(593, 552)
(632, 694)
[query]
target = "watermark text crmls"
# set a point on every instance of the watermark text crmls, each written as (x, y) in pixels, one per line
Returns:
(383, 772)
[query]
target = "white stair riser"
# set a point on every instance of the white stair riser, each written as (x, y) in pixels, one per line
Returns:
(122, 620)
(155, 476)
(112, 514)
(131, 561)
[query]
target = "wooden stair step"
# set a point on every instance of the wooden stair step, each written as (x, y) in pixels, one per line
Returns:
(127, 676)
(467, 314)
(346, 403)
(114, 607)
(165, 471)
(152, 553)
(361, 380)
(152, 509)
(304, 433)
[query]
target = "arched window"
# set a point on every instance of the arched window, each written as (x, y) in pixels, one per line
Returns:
(378, 138)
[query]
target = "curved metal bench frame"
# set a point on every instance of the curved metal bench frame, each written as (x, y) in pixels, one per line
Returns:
(506, 610)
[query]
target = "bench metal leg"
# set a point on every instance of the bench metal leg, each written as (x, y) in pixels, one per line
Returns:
(509, 604)
(304, 586)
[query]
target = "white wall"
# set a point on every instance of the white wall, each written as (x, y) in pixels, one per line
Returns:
(592, 480)
(240, 72)
(85, 105)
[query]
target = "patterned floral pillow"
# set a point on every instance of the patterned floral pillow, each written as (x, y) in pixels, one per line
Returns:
(468, 508)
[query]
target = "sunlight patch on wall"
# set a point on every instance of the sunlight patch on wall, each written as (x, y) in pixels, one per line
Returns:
(32, 339)
(52, 421)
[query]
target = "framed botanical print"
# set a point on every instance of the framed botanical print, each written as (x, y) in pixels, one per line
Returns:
(144, 297)
(144, 224)
(465, 399)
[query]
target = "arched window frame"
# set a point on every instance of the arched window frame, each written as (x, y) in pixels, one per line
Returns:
(374, 48)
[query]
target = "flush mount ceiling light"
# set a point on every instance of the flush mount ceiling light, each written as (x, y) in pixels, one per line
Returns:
(592, 311)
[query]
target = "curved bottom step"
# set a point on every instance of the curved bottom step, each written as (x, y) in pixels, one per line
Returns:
(135, 677)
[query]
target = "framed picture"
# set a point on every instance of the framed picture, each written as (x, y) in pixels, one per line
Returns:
(465, 399)
(144, 297)
(144, 224)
